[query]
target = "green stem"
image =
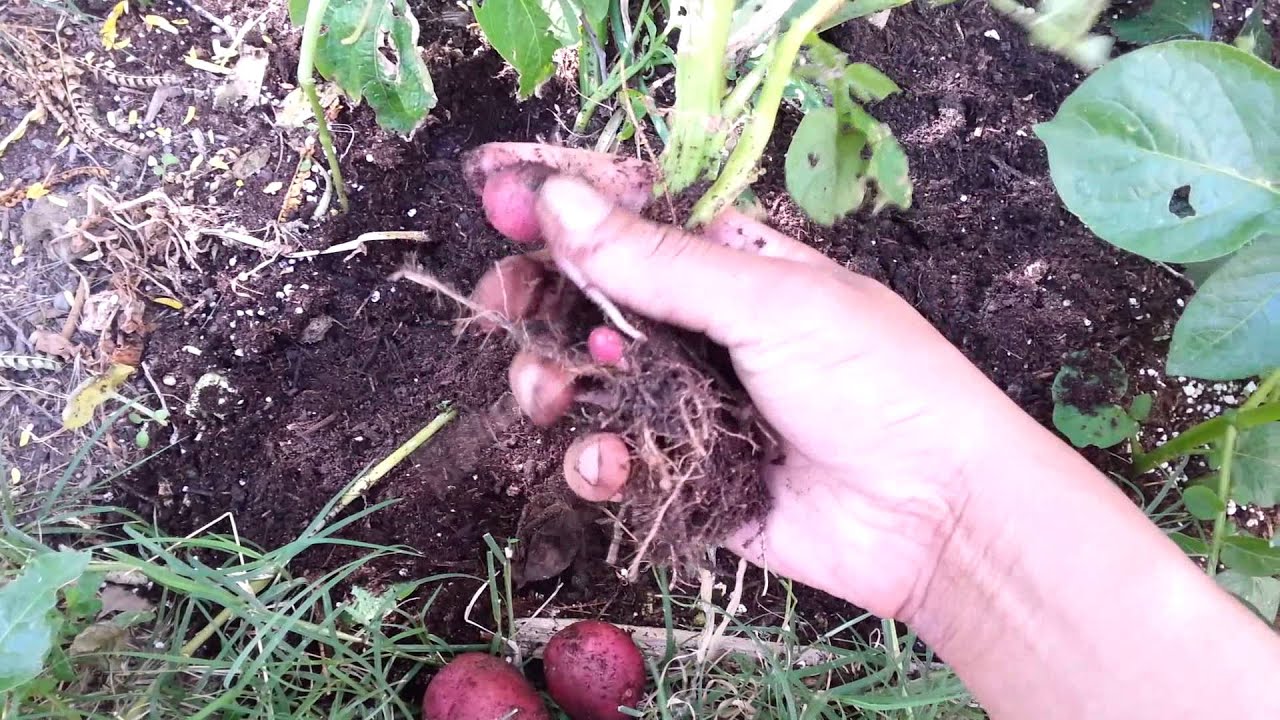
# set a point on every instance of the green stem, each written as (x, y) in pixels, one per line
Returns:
(139, 407)
(614, 83)
(700, 88)
(1270, 387)
(1206, 433)
(367, 481)
(739, 170)
(1224, 493)
(307, 81)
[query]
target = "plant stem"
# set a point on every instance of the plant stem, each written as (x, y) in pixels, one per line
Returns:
(1224, 492)
(190, 647)
(361, 486)
(307, 81)
(700, 88)
(1270, 386)
(1206, 433)
(739, 170)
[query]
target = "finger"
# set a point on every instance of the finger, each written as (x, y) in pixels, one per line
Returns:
(741, 232)
(511, 290)
(542, 387)
(597, 466)
(628, 181)
(667, 274)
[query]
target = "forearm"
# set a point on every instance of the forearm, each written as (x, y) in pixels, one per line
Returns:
(1056, 598)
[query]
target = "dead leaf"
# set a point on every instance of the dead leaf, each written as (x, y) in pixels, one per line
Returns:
(118, 599)
(35, 115)
(315, 329)
(550, 539)
(110, 32)
(91, 393)
(168, 302)
(37, 190)
(295, 109)
(273, 187)
(250, 163)
(99, 637)
(51, 343)
(160, 23)
(99, 312)
(245, 84)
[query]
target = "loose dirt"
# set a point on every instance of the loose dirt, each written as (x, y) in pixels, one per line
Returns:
(332, 365)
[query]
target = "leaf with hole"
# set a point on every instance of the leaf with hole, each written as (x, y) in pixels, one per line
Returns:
(27, 622)
(1230, 328)
(1167, 20)
(1202, 502)
(1084, 394)
(521, 32)
(1261, 594)
(824, 167)
(1250, 555)
(1185, 117)
(1254, 36)
(1256, 478)
(370, 49)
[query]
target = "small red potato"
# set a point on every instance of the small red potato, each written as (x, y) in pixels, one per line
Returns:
(606, 346)
(597, 466)
(475, 686)
(512, 288)
(543, 388)
(592, 668)
(509, 197)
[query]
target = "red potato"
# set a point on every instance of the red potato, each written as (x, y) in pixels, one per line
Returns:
(592, 668)
(543, 388)
(606, 345)
(475, 686)
(512, 288)
(597, 466)
(509, 197)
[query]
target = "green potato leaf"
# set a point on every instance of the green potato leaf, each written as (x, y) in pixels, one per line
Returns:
(1250, 556)
(1202, 502)
(1098, 421)
(1167, 20)
(1261, 594)
(353, 51)
(1231, 328)
(824, 167)
(27, 622)
(1183, 152)
(869, 84)
(521, 32)
(1140, 408)
(1256, 477)
(1254, 37)
(1190, 545)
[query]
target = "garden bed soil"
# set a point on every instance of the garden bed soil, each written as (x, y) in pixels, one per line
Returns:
(987, 253)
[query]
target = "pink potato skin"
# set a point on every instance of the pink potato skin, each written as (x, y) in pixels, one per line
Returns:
(606, 345)
(592, 667)
(475, 686)
(509, 197)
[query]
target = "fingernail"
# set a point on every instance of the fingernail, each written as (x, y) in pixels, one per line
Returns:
(575, 206)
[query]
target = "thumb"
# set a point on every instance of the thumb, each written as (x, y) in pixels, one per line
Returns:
(663, 272)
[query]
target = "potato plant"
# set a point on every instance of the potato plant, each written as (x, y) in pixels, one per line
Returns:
(1181, 164)
(369, 48)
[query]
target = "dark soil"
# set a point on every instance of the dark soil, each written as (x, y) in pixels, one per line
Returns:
(987, 253)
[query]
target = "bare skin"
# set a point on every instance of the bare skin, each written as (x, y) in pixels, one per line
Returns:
(914, 488)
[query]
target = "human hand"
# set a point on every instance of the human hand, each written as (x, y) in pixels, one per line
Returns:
(882, 424)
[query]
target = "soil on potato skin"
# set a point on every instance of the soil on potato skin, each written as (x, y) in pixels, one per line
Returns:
(987, 253)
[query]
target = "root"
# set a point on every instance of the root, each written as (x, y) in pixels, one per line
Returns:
(413, 273)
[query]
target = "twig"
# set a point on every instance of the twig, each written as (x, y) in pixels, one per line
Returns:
(77, 306)
(367, 481)
(532, 635)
